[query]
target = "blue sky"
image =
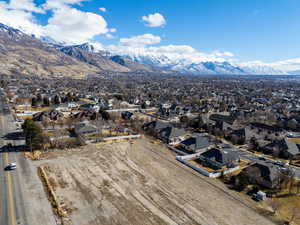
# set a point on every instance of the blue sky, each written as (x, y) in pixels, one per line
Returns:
(264, 30)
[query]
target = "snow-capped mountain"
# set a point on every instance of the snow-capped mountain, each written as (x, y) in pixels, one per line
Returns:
(85, 46)
(207, 67)
(50, 41)
(145, 61)
(258, 68)
(12, 32)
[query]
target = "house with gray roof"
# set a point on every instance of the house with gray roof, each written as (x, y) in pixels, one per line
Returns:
(219, 159)
(263, 174)
(172, 135)
(193, 144)
(155, 127)
(290, 149)
(86, 129)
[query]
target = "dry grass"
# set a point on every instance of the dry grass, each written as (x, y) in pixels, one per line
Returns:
(24, 117)
(35, 155)
(86, 100)
(288, 206)
(40, 109)
(295, 140)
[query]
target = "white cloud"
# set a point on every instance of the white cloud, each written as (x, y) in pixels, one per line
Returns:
(102, 9)
(58, 4)
(73, 26)
(154, 20)
(141, 40)
(223, 54)
(287, 65)
(27, 5)
(20, 17)
(109, 36)
(284, 65)
(112, 30)
(67, 24)
(97, 46)
(141, 45)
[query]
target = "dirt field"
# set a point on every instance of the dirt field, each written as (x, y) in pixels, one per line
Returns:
(142, 184)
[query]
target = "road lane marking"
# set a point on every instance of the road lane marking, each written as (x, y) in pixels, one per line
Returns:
(11, 207)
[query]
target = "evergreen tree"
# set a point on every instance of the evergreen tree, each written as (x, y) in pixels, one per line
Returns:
(33, 135)
(56, 100)
(46, 101)
(39, 97)
(34, 102)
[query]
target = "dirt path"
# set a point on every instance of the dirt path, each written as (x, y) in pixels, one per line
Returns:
(141, 184)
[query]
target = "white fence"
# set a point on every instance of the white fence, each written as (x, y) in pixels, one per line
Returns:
(114, 138)
(122, 137)
(176, 150)
(185, 160)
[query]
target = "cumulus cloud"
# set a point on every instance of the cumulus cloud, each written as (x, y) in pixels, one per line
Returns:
(142, 45)
(112, 30)
(284, 65)
(223, 54)
(74, 26)
(20, 17)
(109, 36)
(154, 20)
(58, 4)
(27, 5)
(66, 24)
(102, 9)
(140, 40)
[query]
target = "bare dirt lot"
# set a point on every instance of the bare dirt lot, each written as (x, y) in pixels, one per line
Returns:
(141, 183)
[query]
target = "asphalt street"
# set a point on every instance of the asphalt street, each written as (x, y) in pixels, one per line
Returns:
(12, 209)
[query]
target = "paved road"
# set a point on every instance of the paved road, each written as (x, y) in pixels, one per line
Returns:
(12, 209)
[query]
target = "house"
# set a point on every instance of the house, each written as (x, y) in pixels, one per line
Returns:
(223, 121)
(155, 126)
(290, 149)
(263, 130)
(282, 148)
(236, 136)
(87, 115)
(48, 115)
(172, 135)
(85, 129)
(263, 174)
(219, 159)
(193, 144)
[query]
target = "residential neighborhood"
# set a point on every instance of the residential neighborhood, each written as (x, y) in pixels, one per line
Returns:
(149, 112)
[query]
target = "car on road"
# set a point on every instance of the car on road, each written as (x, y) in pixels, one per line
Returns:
(280, 163)
(11, 166)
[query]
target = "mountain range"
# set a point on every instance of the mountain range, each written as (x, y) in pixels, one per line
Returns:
(21, 53)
